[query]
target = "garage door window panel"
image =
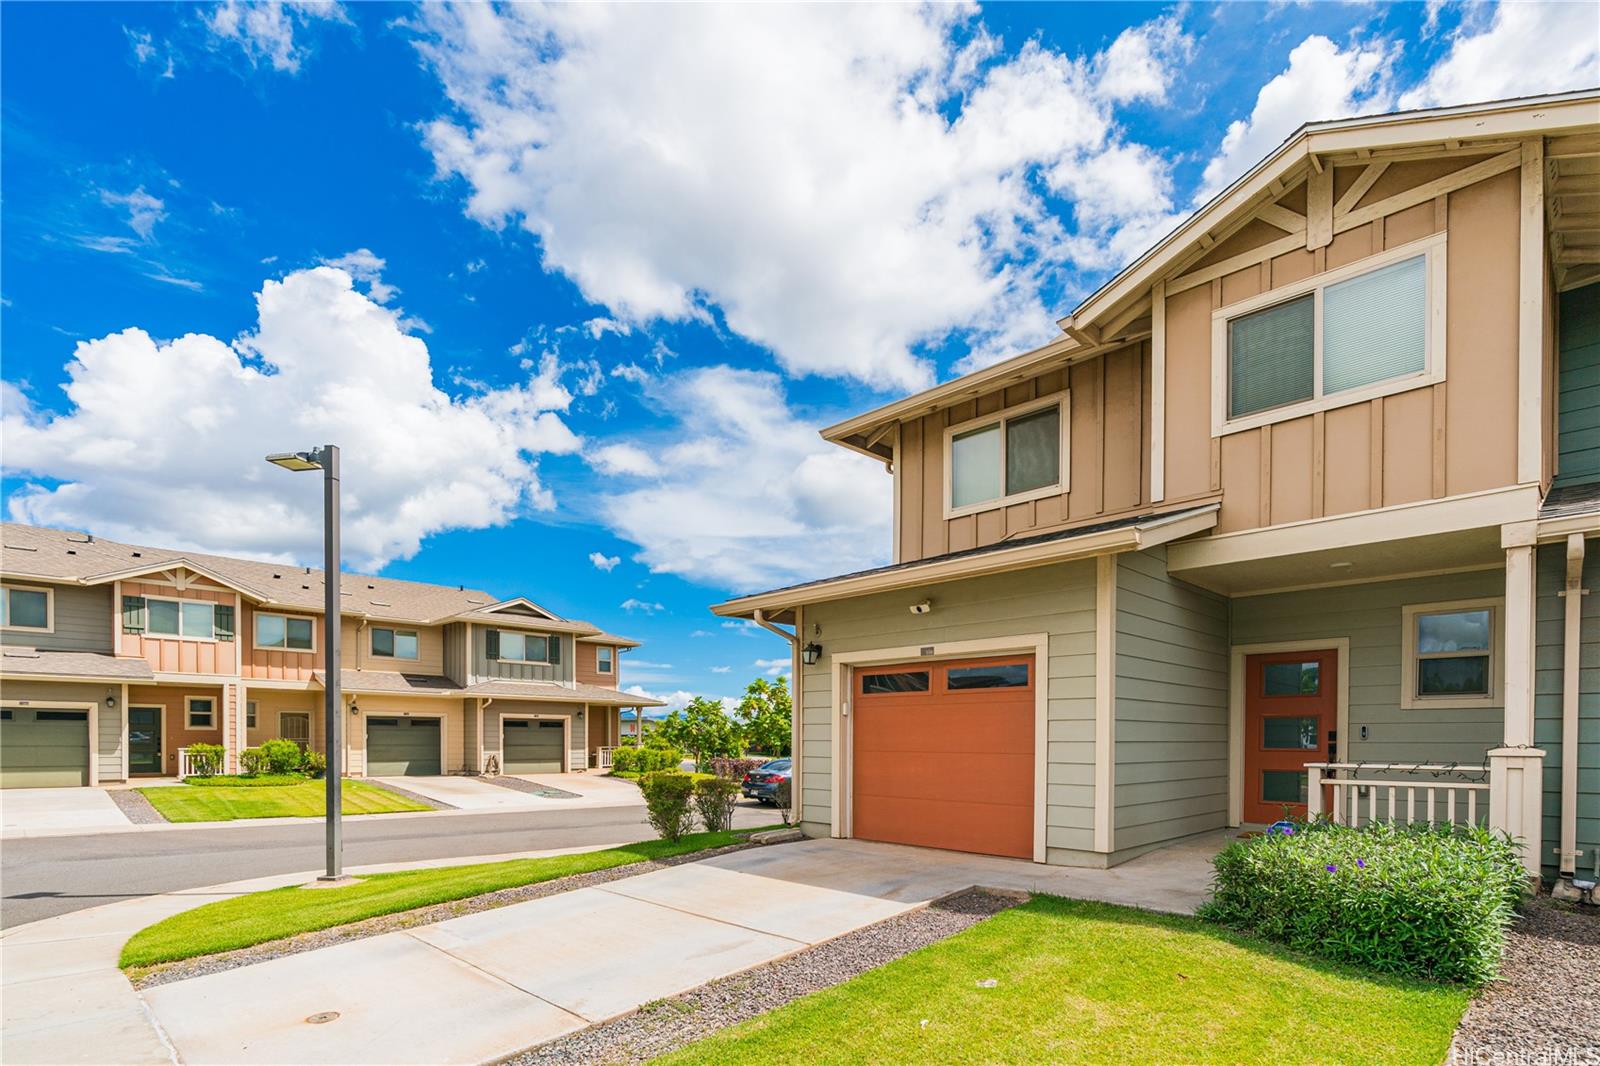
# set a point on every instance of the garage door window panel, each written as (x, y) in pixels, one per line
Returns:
(887, 684)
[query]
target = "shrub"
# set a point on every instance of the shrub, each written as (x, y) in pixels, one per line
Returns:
(205, 759)
(313, 763)
(667, 796)
(1428, 902)
(783, 799)
(252, 761)
(715, 798)
(733, 769)
(282, 756)
(645, 760)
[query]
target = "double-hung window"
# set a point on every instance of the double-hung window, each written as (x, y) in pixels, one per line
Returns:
(285, 632)
(394, 643)
(605, 660)
(1370, 329)
(1451, 654)
(508, 645)
(25, 608)
(1007, 458)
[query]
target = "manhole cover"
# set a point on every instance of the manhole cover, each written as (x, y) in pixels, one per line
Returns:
(323, 1017)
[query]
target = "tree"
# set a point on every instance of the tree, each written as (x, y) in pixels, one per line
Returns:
(765, 717)
(704, 730)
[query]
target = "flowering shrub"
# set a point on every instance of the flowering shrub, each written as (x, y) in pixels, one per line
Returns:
(1429, 902)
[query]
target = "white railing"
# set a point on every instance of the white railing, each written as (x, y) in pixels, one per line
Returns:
(1408, 793)
(603, 758)
(186, 766)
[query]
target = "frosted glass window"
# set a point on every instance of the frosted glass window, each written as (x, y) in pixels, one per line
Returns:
(1272, 357)
(1033, 451)
(1375, 327)
(975, 466)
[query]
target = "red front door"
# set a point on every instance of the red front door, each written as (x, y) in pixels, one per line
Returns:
(1289, 715)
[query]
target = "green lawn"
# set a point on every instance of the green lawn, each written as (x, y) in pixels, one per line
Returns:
(1089, 982)
(211, 803)
(282, 912)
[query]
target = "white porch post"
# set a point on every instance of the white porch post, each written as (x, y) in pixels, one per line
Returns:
(1516, 768)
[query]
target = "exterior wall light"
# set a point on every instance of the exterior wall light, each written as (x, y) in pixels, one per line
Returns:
(811, 653)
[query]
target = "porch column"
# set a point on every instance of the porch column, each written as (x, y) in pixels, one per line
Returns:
(1516, 768)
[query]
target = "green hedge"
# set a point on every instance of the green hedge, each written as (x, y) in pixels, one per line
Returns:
(1428, 902)
(645, 760)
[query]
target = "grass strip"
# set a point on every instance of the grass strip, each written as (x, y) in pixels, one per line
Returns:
(275, 914)
(1080, 982)
(303, 799)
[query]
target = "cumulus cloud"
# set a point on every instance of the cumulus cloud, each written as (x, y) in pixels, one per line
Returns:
(604, 562)
(367, 267)
(675, 701)
(264, 30)
(1523, 50)
(772, 667)
(845, 185)
(161, 440)
(1322, 81)
(745, 494)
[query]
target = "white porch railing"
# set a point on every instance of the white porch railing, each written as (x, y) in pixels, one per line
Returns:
(1408, 793)
(602, 759)
(186, 767)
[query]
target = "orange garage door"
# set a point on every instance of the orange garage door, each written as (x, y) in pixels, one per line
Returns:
(942, 755)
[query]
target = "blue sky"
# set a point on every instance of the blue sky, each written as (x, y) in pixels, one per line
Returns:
(574, 287)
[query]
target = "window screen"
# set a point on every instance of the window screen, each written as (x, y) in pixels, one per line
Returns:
(1033, 451)
(975, 466)
(1271, 356)
(1375, 327)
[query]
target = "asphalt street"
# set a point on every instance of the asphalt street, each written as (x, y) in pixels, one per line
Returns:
(45, 876)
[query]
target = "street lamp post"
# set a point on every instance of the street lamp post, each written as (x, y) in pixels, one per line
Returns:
(326, 459)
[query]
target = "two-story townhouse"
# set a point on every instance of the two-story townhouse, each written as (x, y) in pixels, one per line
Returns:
(114, 658)
(1296, 515)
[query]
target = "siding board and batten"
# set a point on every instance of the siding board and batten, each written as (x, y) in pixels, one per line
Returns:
(1549, 657)
(1578, 446)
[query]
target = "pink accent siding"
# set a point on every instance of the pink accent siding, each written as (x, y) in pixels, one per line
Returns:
(171, 654)
(273, 665)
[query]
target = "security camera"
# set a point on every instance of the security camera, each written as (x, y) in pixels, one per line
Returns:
(921, 608)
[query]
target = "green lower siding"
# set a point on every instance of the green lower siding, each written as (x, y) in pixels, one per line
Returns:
(1369, 615)
(1548, 661)
(1171, 769)
(1057, 600)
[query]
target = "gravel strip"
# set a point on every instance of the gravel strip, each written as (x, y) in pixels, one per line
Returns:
(1545, 1006)
(415, 797)
(669, 1024)
(135, 806)
(517, 784)
(167, 973)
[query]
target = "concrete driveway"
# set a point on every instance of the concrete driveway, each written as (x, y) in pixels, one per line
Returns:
(483, 986)
(482, 794)
(43, 811)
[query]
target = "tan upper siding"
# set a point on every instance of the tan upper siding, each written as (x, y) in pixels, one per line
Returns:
(355, 649)
(1434, 440)
(173, 654)
(586, 665)
(1108, 435)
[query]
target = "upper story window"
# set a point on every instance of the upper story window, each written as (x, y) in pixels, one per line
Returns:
(1006, 458)
(1451, 654)
(1370, 329)
(605, 661)
(508, 645)
(394, 643)
(284, 632)
(22, 607)
(184, 619)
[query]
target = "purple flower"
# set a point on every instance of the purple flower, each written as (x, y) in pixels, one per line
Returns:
(1361, 864)
(1332, 868)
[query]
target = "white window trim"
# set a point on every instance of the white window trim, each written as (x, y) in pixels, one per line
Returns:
(1409, 699)
(610, 664)
(396, 630)
(1061, 399)
(548, 637)
(188, 712)
(1433, 371)
(255, 629)
(152, 634)
(49, 609)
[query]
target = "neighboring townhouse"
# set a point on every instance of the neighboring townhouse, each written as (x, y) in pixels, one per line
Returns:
(1297, 514)
(114, 658)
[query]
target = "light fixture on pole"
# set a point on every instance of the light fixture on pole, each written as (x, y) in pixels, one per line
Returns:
(326, 459)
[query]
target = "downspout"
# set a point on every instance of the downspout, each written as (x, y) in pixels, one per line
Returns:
(797, 714)
(1573, 595)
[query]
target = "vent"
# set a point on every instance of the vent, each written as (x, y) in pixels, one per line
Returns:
(20, 548)
(138, 555)
(380, 603)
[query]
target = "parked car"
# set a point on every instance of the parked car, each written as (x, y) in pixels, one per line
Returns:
(762, 782)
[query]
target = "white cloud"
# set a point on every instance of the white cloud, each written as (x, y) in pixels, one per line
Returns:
(604, 562)
(747, 495)
(719, 669)
(632, 604)
(1322, 81)
(147, 53)
(172, 279)
(144, 210)
(1525, 49)
(366, 267)
(773, 667)
(599, 327)
(631, 372)
(702, 633)
(675, 701)
(845, 184)
(265, 29)
(151, 421)
(627, 459)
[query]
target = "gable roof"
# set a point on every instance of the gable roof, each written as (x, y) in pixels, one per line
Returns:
(1101, 321)
(43, 554)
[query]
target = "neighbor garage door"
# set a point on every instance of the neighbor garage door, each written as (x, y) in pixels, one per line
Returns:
(532, 746)
(399, 747)
(43, 748)
(942, 755)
